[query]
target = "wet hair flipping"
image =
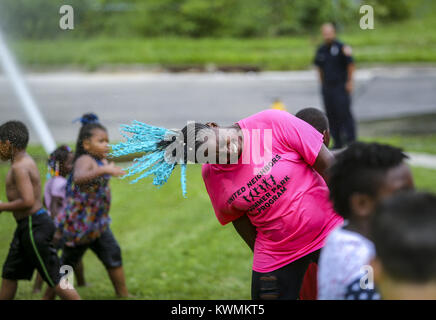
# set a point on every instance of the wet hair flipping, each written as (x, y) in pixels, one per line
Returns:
(154, 143)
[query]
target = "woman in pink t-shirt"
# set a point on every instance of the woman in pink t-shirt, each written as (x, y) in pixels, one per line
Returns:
(265, 175)
(275, 196)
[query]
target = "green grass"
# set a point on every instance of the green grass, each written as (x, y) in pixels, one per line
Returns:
(173, 248)
(424, 179)
(412, 143)
(411, 41)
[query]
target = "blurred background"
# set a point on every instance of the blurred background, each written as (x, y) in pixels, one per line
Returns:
(165, 62)
(143, 59)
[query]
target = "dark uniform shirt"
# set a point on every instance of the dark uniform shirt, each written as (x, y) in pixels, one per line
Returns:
(333, 60)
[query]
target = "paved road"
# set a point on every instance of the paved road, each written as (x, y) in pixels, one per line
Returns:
(172, 99)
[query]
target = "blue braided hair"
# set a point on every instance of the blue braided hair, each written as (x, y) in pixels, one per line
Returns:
(159, 160)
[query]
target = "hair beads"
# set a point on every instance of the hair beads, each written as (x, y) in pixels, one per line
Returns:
(145, 139)
(55, 159)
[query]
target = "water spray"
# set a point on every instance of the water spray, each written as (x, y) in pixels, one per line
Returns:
(24, 96)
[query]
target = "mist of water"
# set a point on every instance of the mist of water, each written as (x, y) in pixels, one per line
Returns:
(27, 102)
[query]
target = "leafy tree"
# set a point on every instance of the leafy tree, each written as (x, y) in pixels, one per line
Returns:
(188, 18)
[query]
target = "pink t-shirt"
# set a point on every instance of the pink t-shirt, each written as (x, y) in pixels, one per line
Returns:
(55, 187)
(284, 197)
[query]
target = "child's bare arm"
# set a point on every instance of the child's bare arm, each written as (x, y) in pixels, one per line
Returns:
(26, 198)
(86, 170)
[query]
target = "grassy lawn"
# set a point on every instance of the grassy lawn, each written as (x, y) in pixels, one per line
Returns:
(411, 41)
(417, 143)
(173, 248)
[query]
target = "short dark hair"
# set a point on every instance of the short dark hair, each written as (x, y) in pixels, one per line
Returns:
(16, 133)
(316, 118)
(360, 169)
(403, 231)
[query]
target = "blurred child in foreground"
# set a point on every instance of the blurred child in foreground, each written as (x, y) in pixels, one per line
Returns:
(363, 175)
(403, 231)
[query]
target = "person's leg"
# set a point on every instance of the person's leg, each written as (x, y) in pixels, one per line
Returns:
(281, 284)
(109, 252)
(309, 287)
(328, 94)
(345, 118)
(291, 278)
(349, 123)
(340, 100)
(8, 289)
(37, 244)
(80, 275)
(118, 281)
(264, 286)
(71, 256)
(66, 294)
(255, 285)
(43, 254)
(49, 294)
(37, 286)
(17, 265)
